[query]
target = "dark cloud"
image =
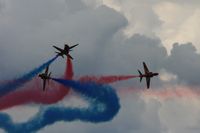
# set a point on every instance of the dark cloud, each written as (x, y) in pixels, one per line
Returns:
(128, 54)
(75, 5)
(29, 31)
(2, 5)
(184, 61)
(125, 56)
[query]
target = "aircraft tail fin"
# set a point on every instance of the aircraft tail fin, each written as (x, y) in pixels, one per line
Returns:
(140, 75)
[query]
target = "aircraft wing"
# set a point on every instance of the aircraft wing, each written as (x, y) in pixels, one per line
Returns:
(44, 84)
(73, 46)
(146, 70)
(59, 49)
(148, 80)
(47, 69)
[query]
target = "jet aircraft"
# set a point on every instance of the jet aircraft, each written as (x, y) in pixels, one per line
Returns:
(45, 77)
(147, 74)
(65, 51)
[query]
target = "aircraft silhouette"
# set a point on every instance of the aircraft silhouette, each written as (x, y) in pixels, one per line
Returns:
(147, 74)
(45, 77)
(65, 51)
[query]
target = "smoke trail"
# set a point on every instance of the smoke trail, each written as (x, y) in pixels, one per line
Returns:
(183, 92)
(13, 85)
(104, 105)
(32, 92)
(69, 73)
(63, 90)
(106, 79)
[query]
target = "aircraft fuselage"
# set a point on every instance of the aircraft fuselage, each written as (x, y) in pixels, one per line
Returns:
(44, 76)
(150, 74)
(65, 51)
(147, 74)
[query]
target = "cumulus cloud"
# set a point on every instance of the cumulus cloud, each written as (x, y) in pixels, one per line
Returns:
(28, 29)
(180, 22)
(129, 53)
(169, 20)
(75, 22)
(140, 14)
(184, 61)
(174, 115)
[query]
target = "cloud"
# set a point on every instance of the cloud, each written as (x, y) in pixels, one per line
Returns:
(184, 61)
(169, 20)
(140, 15)
(174, 115)
(29, 28)
(75, 6)
(26, 31)
(180, 21)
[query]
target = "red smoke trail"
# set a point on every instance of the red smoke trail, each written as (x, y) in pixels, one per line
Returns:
(106, 79)
(162, 94)
(68, 75)
(32, 92)
(174, 92)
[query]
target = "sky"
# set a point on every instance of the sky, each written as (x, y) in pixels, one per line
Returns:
(115, 37)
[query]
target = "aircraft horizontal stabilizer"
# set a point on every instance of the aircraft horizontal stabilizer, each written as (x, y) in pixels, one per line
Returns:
(140, 75)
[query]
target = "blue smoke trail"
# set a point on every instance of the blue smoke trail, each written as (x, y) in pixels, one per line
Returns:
(104, 105)
(14, 84)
